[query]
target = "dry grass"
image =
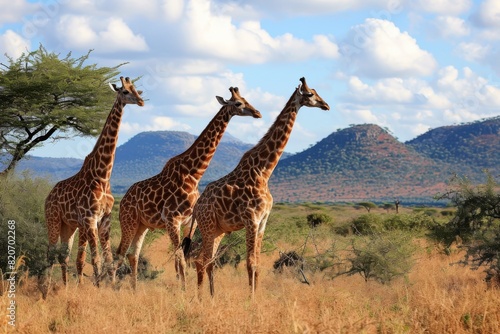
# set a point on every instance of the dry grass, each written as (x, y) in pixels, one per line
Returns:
(435, 298)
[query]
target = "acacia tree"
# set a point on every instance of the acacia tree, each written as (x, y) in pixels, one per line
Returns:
(45, 97)
(367, 205)
(477, 223)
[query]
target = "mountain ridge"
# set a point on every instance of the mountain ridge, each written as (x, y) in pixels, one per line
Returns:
(361, 162)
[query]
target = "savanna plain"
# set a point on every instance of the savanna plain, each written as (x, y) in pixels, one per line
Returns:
(429, 293)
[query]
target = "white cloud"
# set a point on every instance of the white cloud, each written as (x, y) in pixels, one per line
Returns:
(449, 26)
(173, 10)
(448, 7)
(377, 48)
(15, 10)
(112, 35)
(205, 32)
(320, 7)
(488, 14)
(158, 123)
(472, 51)
(13, 45)
(453, 96)
(357, 115)
(384, 91)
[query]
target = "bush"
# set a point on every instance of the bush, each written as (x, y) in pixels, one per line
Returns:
(144, 270)
(316, 219)
(476, 222)
(288, 259)
(22, 201)
(367, 224)
(382, 257)
(409, 222)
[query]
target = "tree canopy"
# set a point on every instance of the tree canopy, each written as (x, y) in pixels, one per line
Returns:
(43, 96)
(476, 223)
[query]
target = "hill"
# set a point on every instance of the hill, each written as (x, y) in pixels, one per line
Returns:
(469, 148)
(363, 162)
(145, 154)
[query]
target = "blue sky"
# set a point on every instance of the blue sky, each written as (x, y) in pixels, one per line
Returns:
(408, 66)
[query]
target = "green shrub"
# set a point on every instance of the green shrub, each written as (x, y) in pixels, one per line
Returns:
(409, 222)
(382, 257)
(22, 201)
(367, 224)
(316, 219)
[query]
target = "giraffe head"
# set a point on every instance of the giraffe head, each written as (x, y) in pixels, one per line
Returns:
(308, 96)
(242, 107)
(127, 93)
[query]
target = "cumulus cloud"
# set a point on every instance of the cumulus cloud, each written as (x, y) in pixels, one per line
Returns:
(450, 26)
(13, 44)
(488, 14)
(448, 7)
(208, 33)
(452, 96)
(472, 51)
(377, 48)
(112, 35)
(15, 10)
(158, 123)
(320, 7)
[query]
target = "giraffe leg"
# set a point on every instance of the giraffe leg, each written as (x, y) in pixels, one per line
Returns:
(135, 250)
(173, 229)
(45, 275)
(211, 263)
(104, 232)
(67, 237)
(251, 240)
(93, 238)
(128, 221)
(82, 254)
(256, 234)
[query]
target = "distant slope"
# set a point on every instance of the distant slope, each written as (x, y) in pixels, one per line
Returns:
(53, 168)
(146, 154)
(469, 148)
(357, 163)
(362, 162)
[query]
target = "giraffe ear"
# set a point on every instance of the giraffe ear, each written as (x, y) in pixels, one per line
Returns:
(113, 87)
(221, 100)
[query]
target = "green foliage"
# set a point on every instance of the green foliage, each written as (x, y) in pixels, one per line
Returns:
(22, 200)
(367, 224)
(382, 257)
(316, 219)
(43, 94)
(476, 223)
(371, 223)
(408, 222)
(367, 205)
(145, 269)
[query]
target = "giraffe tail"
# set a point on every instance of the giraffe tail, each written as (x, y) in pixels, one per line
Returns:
(186, 247)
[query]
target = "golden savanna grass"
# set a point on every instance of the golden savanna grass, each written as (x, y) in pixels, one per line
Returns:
(434, 298)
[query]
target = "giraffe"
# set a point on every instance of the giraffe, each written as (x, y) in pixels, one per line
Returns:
(242, 198)
(84, 200)
(166, 200)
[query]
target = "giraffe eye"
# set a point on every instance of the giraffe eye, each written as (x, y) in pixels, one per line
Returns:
(238, 104)
(125, 92)
(309, 94)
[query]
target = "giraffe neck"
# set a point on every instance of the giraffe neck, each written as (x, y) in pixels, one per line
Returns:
(100, 161)
(196, 159)
(266, 154)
